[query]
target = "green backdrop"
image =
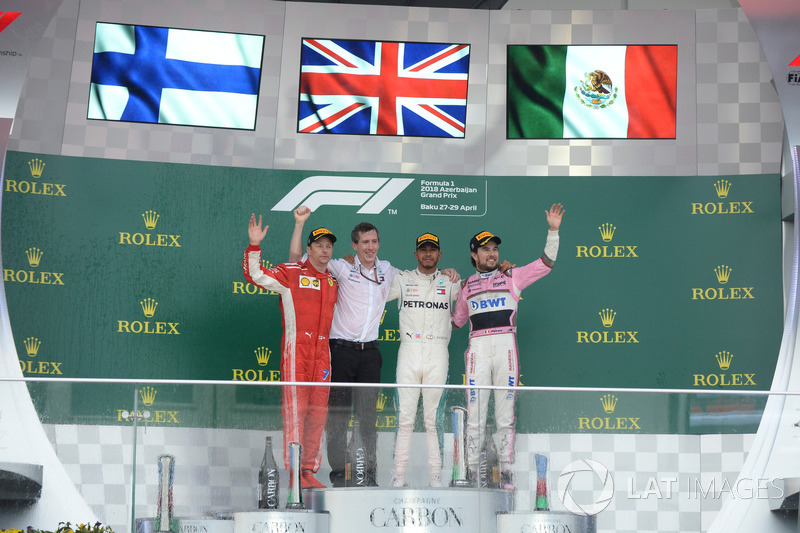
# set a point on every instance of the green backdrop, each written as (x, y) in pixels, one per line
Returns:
(689, 268)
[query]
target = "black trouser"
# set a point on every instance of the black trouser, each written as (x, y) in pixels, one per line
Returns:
(351, 364)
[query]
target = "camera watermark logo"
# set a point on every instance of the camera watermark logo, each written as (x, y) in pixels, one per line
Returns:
(566, 486)
(586, 487)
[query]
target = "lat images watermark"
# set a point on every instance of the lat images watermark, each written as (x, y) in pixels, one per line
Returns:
(566, 486)
(695, 488)
(586, 487)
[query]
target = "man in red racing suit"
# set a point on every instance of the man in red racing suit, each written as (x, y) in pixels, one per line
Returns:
(308, 294)
(489, 300)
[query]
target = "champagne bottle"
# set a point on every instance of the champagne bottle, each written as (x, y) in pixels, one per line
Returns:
(489, 465)
(295, 496)
(493, 463)
(542, 496)
(483, 463)
(355, 473)
(165, 520)
(268, 479)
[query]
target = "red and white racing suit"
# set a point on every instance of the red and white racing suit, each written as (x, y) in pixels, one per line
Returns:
(425, 302)
(307, 301)
(489, 300)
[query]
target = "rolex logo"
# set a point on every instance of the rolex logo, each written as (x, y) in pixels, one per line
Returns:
(150, 219)
(724, 359)
(610, 423)
(241, 287)
(723, 273)
(607, 251)
(382, 398)
(34, 256)
(607, 317)
(37, 167)
(32, 346)
(162, 240)
(266, 264)
(34, 277)
(388, 334)
(724, 379)
(34, 186)
(609, 402)
(29, 366)
(607, 231)
(149, 307)
(722, 187)
(262, 355)
(148, 395)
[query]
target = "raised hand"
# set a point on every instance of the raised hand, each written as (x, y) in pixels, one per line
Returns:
(554, 216)
(254, 230)
(301, 214)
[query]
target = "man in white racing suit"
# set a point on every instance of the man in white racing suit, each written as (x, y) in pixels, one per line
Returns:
(425, 298)
(489, 299)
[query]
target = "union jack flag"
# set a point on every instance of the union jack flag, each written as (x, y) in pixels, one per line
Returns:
(383, 88)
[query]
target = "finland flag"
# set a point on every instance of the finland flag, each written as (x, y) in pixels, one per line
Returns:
(174, 76)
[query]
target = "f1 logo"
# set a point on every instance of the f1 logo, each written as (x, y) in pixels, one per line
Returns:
(371, 194)
(6, 18)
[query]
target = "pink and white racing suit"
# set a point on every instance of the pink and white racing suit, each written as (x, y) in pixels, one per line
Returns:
(489, 300)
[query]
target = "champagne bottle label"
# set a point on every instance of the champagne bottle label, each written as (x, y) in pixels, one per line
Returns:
(483, 469)
(361, 472)
(272, 489)
(355, 470)
(268, 487)
(488, 466)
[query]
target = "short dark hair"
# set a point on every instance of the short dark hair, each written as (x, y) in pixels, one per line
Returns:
(363, 227)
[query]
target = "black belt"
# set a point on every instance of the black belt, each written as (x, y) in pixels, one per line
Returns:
(355, 345)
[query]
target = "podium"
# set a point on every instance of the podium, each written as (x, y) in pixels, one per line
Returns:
(281, 520)
(186, 525)
(555, 521)
(460, 510)
(348, 510)
(260, 521)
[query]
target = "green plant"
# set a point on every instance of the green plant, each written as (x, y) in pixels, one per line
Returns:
(66, 527)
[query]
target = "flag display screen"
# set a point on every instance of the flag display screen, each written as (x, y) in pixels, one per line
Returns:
(592, 92)
(383, 88)
(175, 76)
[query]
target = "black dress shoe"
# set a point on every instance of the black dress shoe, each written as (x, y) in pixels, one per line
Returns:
(337, 479)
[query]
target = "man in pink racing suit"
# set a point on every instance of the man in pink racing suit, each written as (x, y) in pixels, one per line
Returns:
(489, 300)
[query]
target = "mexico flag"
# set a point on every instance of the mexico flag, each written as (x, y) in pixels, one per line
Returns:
(591, 92)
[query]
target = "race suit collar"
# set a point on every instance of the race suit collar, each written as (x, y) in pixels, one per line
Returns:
(424, 275)
(487, 274)
(307, 263)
